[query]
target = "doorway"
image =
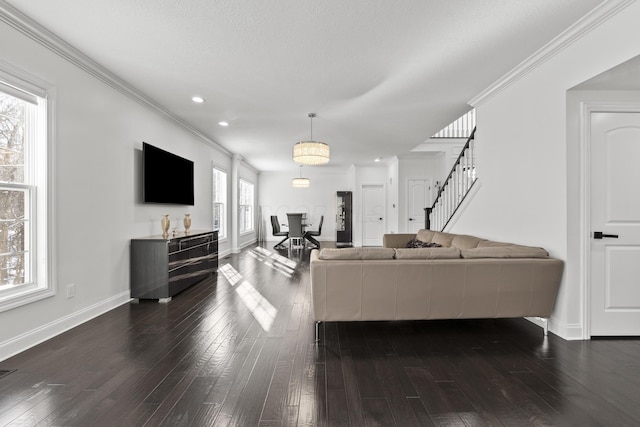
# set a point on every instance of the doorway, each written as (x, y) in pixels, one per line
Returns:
(612, 251)
(373, 203)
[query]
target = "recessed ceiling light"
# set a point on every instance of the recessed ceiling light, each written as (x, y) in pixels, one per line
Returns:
(223, 124)
(377, 159)
(198, 99)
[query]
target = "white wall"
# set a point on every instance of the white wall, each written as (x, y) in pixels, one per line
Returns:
(277, 197)
(524, 184)
(98, 138)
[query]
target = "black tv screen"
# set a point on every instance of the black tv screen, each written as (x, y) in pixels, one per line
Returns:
(166, 178)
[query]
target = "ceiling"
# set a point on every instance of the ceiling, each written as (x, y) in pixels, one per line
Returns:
(382, 76)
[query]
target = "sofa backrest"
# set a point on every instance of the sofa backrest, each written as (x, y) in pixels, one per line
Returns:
(463, 241)
(476, 247)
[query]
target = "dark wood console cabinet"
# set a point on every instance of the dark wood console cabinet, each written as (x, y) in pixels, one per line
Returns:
(161, 267)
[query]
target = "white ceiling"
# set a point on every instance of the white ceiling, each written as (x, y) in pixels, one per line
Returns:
(381, 75)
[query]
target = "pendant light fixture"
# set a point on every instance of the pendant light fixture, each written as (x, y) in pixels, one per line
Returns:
(311, 152)
(301, 182)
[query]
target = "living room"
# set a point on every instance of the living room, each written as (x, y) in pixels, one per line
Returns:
(530, 190)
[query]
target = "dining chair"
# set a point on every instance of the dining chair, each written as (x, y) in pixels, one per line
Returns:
(296, 233)
(309, 234)
(277, 232)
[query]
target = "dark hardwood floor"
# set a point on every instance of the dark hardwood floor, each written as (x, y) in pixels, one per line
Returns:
(237, 349)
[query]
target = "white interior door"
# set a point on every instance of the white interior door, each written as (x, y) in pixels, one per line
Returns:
(615, 212)
(418, 198)
(372, 215)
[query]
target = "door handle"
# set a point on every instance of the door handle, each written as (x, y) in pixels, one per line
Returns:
(410, 219)
(600, 235)
(380, 219)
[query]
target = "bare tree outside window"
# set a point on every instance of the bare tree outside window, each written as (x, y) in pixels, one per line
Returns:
(25, 173)
(13, 199)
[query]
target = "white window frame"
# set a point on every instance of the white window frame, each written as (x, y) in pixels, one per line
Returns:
(246, 203)
(38, 183)
(220, 201)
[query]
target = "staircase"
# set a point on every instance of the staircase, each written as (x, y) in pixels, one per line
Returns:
(454, 189)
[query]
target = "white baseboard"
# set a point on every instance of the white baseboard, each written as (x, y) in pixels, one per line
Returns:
(567, 332)
(36, 336)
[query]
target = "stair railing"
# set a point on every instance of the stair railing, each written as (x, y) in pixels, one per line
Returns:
(454, 189)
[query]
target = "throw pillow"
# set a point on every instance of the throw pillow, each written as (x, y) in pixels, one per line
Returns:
(415, 243)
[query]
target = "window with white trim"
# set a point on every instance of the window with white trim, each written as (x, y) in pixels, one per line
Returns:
(23, 196)
(219, 197)
(245, 206)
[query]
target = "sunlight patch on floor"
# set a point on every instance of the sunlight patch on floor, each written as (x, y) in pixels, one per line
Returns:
(261, 309)
(275, 261)
(230, 273)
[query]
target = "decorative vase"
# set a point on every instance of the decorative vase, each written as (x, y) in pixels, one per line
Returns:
(165, 222)
(187, 223)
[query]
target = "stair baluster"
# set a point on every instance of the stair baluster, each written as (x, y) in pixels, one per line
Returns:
(454, 189)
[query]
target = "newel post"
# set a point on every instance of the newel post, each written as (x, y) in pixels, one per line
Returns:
(427, 218)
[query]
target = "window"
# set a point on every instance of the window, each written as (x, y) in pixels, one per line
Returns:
(245, 206)
(23, 197)
(220, 202)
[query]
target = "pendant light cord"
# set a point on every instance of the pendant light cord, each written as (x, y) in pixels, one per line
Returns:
(311, 116)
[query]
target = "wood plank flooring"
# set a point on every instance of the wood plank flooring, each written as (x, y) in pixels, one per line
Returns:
(237, 350)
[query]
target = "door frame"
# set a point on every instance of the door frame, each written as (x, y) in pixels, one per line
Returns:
(406, 196)
(585, 195)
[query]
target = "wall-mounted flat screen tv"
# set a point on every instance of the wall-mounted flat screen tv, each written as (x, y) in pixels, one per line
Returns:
(166, 178)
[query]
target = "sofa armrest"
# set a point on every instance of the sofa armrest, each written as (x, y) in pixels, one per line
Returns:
(397, 240)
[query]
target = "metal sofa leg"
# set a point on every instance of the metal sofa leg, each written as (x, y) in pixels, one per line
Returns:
(545, 325)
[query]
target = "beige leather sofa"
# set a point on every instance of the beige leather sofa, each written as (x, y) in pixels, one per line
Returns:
(466, 278)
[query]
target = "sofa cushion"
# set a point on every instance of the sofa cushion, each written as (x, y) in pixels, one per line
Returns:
(356, 253)
(340, 253)
(463, 241)
(443, 239)
(428, 253)
(511, 251)
(377, 253)
(415, 243)
(425, 235)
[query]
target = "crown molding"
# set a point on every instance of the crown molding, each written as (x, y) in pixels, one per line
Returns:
(249, 166)
(30, 28)
(593, 19)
